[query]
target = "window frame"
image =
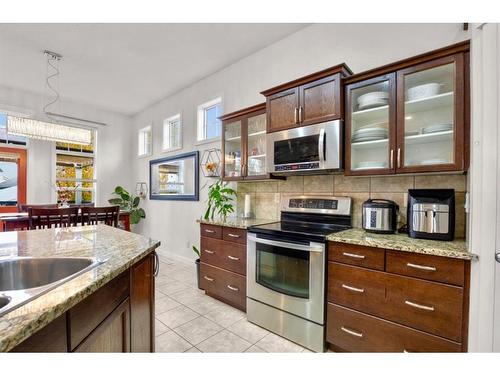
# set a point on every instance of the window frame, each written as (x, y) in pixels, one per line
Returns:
(139, 133)
(201, 133)
(166, 130)
(92, 155)
(15, 114)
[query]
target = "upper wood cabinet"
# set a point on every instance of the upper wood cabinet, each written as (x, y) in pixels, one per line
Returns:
(305, 101)
(410, 116)
(244, 144)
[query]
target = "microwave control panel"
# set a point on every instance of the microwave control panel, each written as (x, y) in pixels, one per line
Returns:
(296, 167)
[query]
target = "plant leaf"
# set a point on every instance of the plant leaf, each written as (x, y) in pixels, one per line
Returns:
(136, 202)
(142, 213)
(117, 201)
(135, 217)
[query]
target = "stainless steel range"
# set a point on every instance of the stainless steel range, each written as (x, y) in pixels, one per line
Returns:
(286, 267)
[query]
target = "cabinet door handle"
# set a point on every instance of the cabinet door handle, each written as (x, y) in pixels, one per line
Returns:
(399, 157)
(300, 114)
(233, 258)
(295, 115)
(392, 158)
(209, 231)
(233, 235)
(156, 269)
(418, 266)
(418, 306)
(208, 278)
(348, 287)
(351, 255)
(233, 288)
(351, 332)
(209, 251)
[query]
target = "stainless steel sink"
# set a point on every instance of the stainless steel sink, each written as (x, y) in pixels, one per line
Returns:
(23, 279)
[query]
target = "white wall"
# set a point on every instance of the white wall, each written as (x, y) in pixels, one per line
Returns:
(361, 46)
(113, 146)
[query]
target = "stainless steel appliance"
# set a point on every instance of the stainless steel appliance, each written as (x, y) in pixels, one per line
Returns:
(286, 267)
(308, 148)
(431, 214)
(380, 216)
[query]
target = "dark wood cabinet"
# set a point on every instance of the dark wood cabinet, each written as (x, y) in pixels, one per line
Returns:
(414, 302)
(117, 317)
(244, 144)
(223, 265)
(410, 116)
(308, 100)
(142, 295)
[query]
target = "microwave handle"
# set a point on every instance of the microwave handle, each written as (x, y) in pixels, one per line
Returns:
(288, 245)
(321, 145)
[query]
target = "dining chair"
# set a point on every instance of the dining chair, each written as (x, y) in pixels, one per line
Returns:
(94, 215)
(40, 218)
(26, 207)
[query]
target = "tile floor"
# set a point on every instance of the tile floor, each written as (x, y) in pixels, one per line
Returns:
(189, 321)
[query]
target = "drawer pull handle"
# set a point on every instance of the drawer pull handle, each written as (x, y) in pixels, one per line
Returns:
(421, 307)
(348, 287)
(233, 235)
(209, 251)
(233, 288)
(351, 255)
(233, 258)
(208, 278)
(209, 231)
(351, 332)
(418, 266)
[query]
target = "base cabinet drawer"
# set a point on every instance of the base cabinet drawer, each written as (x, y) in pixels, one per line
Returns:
(223, 254)
(356, 255)
(224, 285)
(234, 235)
(208, 230)
(352, 331)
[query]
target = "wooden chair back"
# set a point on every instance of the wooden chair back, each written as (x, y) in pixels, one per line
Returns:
(41, 218)
(94, 215)
(26, 207)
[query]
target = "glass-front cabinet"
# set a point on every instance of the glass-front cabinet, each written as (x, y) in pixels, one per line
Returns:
(408, 121)
(244, 144)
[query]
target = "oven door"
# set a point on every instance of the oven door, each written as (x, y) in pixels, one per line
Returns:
(306, 148)
(287, 275)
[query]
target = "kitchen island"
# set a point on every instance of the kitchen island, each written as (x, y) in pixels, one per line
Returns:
(108, 308)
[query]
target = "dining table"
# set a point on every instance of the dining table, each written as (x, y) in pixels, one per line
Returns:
(12, 221)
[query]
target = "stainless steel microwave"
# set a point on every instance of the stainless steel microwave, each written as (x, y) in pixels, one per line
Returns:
(308, 148)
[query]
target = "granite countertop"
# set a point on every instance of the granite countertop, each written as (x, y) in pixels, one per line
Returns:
(451, 249)
(121, 249)
(235, 222)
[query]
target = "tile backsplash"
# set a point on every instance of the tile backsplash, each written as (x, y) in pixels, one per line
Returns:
(266, 195)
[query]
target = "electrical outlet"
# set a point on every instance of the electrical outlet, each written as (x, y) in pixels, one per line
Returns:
(405, 199)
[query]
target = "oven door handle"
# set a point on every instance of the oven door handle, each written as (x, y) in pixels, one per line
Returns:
(288, 245)
(321, 145)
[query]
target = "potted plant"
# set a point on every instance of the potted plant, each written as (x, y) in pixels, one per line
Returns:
(219, 200)
(197, 262)
(128, 202)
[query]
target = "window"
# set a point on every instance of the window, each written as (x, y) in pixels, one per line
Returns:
(145, 141)
(75, 173)
(8, 138)
(172, 133)
(209, 126)
(12, 178)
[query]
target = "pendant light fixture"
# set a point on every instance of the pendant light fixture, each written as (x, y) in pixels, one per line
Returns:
(52, 129)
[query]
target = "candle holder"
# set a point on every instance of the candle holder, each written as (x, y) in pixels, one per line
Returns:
(211, 162)
(141, 190)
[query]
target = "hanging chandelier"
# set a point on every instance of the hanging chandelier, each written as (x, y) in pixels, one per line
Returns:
(51, 130)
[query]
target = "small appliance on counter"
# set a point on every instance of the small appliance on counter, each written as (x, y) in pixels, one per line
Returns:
(380, 216)
(431, 214)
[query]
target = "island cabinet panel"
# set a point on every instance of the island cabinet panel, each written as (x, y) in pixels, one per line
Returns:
(88, 314)
(50, 339)
(224, 264)
(142, 305)
(354, 331)
(395, 305)
(308, 100)
(112, 335)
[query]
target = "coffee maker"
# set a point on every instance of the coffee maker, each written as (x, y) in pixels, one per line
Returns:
(431, 214)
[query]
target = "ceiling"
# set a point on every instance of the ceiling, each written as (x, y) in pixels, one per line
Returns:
(127, 67)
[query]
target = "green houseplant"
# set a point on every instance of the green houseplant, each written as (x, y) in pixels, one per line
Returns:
(128, 202)
(219, 201)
